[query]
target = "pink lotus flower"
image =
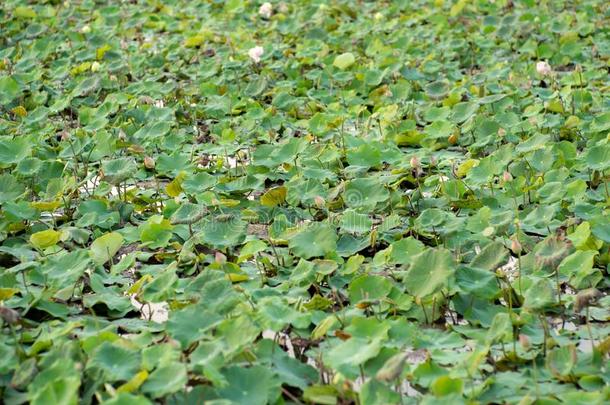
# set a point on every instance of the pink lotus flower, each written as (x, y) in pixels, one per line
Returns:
(543, 68)
(265, 10)
(256, 53)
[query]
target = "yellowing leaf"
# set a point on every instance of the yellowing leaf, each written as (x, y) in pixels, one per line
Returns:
(105, 247)
(465, 167)
(83, 67)
(572, 122)
(101, 51)
(274, 197)
(135, 288)
(457, 8)
(344, 60)
(555, 106)
(194, 41)
(322, 328)
(19, 111)
(45, 205)
(45, 239)
(250, 249)
(236, 278)
(6, 293)
(135, 382)
(228, 202)
(24, 12)
(174, 188)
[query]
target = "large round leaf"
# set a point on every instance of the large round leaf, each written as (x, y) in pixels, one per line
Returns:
(429, 272)
(314, 240)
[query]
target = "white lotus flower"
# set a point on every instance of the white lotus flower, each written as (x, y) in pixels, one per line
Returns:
(543, 68)
(256, 53)
(265, 10)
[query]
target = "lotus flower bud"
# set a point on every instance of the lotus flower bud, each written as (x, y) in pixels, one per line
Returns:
(507, 176)
(319, 201)
(220, 258)
(515, 246)
(9, 315)
(149, 163)
(414, 162)
(524, 341)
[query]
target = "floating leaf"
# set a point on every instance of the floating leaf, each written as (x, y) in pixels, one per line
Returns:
(429, 272)
(314, 240)
(116, 362)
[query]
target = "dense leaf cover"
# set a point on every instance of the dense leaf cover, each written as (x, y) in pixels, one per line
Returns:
(304, 202)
